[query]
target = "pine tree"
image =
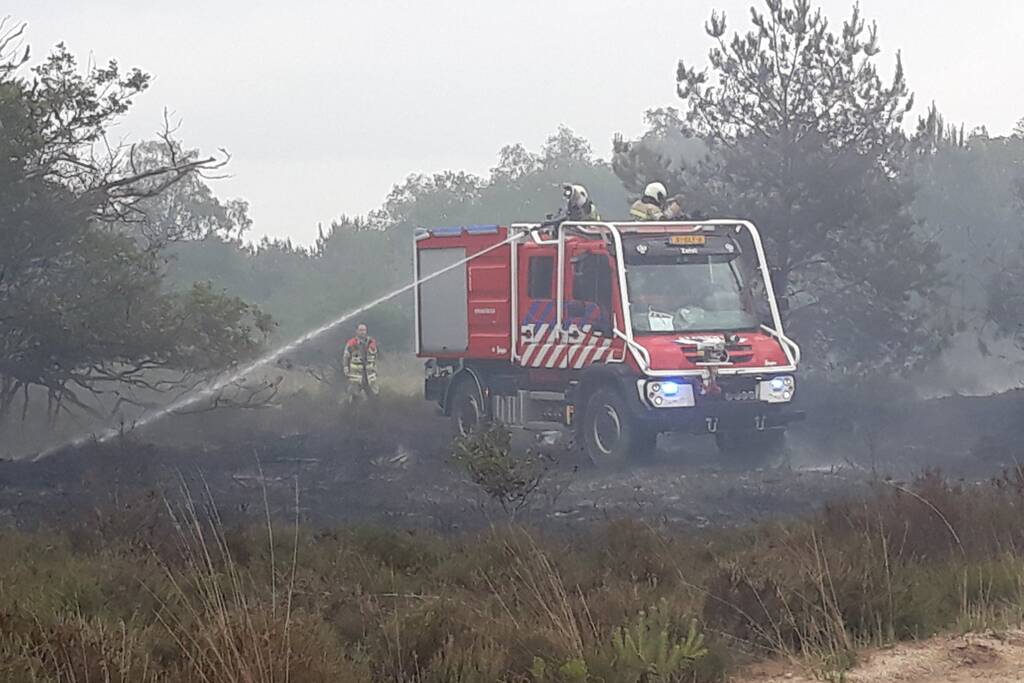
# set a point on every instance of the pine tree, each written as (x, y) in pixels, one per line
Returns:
(805, 139)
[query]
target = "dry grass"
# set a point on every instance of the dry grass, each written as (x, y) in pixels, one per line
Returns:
(205, 601)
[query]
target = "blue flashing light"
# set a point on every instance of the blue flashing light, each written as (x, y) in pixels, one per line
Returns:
(482, 229)
(669, 388)
(777, 384)
(456, 230)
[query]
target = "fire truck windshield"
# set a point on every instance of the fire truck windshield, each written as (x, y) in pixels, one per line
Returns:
(688, 297)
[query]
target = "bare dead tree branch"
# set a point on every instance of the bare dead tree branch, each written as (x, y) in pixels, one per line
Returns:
(239, 396)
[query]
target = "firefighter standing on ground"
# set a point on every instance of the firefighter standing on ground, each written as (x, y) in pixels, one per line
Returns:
(359, 363)
(655, 205)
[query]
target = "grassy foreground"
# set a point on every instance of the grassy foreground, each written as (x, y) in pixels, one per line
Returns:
(166, 591)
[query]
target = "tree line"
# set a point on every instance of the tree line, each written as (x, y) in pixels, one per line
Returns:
(120, 266)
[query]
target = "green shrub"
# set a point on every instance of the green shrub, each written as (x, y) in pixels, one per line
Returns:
(648, 650)
(510, 479)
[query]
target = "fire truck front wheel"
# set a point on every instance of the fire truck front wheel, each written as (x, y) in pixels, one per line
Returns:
(610, 436)
(467, 410)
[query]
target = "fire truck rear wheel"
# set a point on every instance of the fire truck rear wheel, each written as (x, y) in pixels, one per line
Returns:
(610, 438)
(753, 448)
(466, 408)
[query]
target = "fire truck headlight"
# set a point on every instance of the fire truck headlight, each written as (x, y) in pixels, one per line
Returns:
(777, 389)
(666, 393)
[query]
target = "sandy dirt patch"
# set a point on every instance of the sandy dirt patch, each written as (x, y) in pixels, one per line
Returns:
(990, 657)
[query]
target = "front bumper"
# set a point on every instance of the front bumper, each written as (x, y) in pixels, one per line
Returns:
(711, 415)
(699, 420)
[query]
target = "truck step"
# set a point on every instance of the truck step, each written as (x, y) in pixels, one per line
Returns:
(545, 395)
(543, 426)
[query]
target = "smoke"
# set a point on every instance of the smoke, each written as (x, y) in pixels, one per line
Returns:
(973, 365)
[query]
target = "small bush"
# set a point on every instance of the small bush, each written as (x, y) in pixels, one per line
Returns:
(649, 651)
(512, 480)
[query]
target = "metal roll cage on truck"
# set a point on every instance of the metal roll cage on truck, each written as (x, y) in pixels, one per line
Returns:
(611, 332)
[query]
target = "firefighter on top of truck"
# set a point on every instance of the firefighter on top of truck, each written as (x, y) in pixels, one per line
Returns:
(580, 207)
(655, 205)
(359, 362)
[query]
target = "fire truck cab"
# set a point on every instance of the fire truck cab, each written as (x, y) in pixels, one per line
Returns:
(611, 332)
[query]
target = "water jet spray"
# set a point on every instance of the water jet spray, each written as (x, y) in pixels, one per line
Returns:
(271, 357)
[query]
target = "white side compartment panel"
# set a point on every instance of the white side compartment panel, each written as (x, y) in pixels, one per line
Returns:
(443, 302)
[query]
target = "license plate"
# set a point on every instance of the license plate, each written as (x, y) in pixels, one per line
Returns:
(687, 240)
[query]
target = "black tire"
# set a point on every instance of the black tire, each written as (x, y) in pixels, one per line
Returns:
(609, 436)
(466, 407)
(753, 448)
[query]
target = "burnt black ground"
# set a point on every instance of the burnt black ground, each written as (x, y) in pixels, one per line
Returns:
(390, 467)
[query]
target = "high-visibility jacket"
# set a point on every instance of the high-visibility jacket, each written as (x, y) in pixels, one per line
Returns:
(360, 359)
(645, 211)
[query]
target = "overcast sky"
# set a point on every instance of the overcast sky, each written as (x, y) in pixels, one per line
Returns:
(325, 105)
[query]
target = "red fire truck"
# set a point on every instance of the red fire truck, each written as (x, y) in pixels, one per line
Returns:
(609, 332)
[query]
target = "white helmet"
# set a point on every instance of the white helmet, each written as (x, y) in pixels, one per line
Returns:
(577, 195)
(657, 192)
